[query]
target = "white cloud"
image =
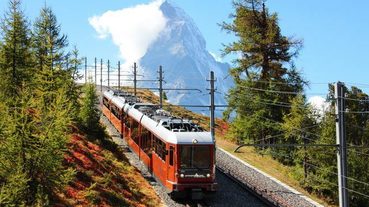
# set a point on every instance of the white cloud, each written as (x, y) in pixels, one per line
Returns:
(216, 57)
(319, 104)
(131, 29)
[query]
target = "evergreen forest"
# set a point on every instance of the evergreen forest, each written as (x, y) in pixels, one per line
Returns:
(40, 107)
(268, 106)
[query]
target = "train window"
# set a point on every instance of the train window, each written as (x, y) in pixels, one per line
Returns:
(127, 122)
(135, 131)
(171, 155)
(106, 102)
(146, 140)
(115, 111)
(134, 124)
(160, 148)
(195, 157)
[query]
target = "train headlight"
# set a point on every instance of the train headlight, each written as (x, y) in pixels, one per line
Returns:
(208, 175)
(181, 175)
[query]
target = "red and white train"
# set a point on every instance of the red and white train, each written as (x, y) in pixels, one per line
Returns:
(176, 151)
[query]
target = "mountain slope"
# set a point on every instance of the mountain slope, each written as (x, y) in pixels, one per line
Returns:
(104, 176)
(181, 50)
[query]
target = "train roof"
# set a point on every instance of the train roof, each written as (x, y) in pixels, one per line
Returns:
(160, 122)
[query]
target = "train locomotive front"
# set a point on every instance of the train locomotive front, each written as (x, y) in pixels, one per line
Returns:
(178, 153)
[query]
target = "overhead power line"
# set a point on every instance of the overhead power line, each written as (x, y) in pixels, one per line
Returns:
(355, 99)
(333, 173)
(280, 92)
(357, 192)
(271, 91)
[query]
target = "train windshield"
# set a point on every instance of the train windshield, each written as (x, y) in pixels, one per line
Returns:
(195, 157)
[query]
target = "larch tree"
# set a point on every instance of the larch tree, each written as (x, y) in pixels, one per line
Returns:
(49, 45)
(300, 127)
(35, 125)
(32, 151)
(15, 53)
(89, 113)
(71, 76)
(265, 77)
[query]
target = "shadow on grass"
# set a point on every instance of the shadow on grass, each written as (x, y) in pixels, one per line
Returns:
(113, 198)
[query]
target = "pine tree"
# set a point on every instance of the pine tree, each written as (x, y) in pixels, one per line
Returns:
(357, 132)
(165, 97)
(35, 128)
(49, 45)
(322, 175)
(260, 73)
(70, 79)
(89, 113)
(13, 179)
(299, 126)
(32, 150)
(52, 134)
(15, 52)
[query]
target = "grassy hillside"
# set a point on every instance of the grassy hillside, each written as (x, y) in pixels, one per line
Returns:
(103, 176)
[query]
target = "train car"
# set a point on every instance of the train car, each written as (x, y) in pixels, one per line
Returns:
(176, 151)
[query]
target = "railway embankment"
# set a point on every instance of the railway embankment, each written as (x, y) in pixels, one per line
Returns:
(261, 183)
(103, 176)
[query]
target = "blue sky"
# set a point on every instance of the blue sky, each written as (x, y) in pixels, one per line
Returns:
(335, 33)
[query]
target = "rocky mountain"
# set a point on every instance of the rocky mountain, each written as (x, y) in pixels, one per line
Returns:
(181, 50)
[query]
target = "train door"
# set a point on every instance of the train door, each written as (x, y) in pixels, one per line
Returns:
(170, 163)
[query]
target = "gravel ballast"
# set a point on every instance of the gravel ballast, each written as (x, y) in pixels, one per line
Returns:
(263, 184)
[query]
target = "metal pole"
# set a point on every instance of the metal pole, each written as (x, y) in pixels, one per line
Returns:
(95, 72)
(161, 86)
(212, 107)
(85, 69)
(101, 62)
(108, 73)
(135, 78)
(341, 142)
(305, 157)
(212, 114)
(118, 75)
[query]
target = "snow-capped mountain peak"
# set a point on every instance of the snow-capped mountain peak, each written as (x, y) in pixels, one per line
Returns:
(181, 49)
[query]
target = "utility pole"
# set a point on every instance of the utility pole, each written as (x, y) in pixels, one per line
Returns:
(135, 78)
(108, 74)
(118, 75)
(85, 69)
(101, 62)
(161, 86)
(212, 106)
(95, 71)
(341, 143)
